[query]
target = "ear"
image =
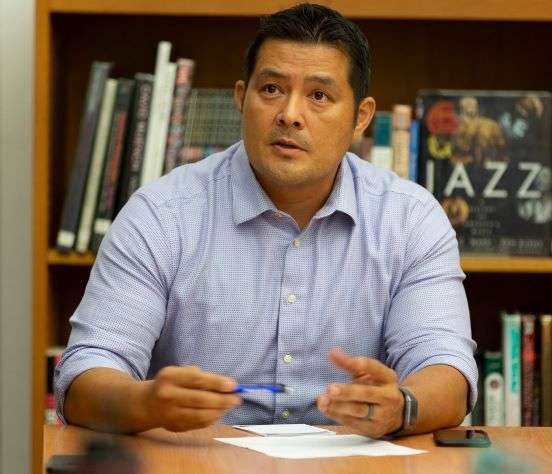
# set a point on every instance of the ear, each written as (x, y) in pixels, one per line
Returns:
(366, 110)
(239, 95)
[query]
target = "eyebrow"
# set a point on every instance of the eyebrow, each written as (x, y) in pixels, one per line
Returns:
(269, 73)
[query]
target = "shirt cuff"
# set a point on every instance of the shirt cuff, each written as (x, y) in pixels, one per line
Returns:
(73, 364)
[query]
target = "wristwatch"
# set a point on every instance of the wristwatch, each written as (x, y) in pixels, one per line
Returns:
(410, 413)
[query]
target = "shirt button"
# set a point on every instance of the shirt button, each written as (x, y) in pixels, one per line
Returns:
(296, 243)
(285, 414)
(292, 298)
(288, 358)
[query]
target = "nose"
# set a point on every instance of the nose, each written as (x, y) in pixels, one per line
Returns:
(291, 114)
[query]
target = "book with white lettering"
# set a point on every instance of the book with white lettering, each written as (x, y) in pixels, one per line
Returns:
(486, 156)
(511, 361)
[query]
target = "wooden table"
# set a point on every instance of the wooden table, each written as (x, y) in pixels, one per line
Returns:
(197, 452)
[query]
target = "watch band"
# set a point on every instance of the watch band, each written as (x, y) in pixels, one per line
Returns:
(410, 413)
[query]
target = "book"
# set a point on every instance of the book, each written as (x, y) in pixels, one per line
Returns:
(131, 167)
(400, 139)
(486, 156)
(528, 357)
(105, 211)
(511, 352)
(413, 150)
(478, 412)
(53, 356)
(183, 81)
(546, 369)
(74, 196)
(382, 152)
(211, 118)
(159, 115)
(96, 167)
(494, 388)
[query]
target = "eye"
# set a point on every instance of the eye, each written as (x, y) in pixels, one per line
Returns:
(320, 96)
(270, 89)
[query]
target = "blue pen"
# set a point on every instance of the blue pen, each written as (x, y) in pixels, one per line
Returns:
(264, 387)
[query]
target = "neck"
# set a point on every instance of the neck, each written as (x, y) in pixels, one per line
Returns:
(300, 202)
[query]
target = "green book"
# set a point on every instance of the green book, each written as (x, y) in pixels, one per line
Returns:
(494, 388)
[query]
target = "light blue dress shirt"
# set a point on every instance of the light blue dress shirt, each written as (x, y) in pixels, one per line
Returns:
(200, 268)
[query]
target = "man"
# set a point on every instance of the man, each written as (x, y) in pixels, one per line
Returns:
(283, 259)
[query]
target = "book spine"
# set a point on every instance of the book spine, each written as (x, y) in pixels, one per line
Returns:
(382, 152)
(53, 356)
(511, 347)
(153, 135)
(494, 389)
(400, 139)
(183, 81)
(75, 194)
(478, 413)
(96, 167)
(527, 368)
(165, 114)
(546, 370)
(135, 147)
(106, 204)
(414, 150)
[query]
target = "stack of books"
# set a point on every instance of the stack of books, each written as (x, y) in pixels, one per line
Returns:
(515, 383)
(133, 131)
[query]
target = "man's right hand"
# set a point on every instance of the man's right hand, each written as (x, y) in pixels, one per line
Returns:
(186, 398)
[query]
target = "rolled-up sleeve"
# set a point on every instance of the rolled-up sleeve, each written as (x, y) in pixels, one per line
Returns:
(123, 309)
(428, 321)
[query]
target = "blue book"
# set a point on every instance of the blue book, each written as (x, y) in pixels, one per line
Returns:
(413, 152)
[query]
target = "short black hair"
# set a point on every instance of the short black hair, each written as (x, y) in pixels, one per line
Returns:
(314, 24)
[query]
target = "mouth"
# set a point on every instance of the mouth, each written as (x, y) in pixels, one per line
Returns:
(286, 145)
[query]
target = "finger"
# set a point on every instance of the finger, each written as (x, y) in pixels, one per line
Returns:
(368, 369)
(355, 409)
(193, 377)
(192, 398)
(368, 428)
(358, 392)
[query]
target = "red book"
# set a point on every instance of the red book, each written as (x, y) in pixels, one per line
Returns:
(528, 357)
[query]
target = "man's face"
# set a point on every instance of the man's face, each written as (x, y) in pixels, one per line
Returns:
(298, 114)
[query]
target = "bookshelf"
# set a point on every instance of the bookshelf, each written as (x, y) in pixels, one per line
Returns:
(494, 44)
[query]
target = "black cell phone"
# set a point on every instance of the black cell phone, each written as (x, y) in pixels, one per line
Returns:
(467, 437)
(65, 462)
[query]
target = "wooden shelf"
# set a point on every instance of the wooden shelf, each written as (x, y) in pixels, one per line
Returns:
(469, 264)
(503, 10)
(506, 265)
(500, 46)
(55, 257)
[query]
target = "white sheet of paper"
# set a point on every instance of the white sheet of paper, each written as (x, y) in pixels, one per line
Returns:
(297, 429)
(316, 446)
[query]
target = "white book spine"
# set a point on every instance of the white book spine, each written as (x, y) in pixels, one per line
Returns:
(164, 119)
(511, 342)
(494, 399)
(96, 167)
(152, 135)
(382, 157)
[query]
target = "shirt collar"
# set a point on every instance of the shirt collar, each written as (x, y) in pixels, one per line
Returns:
(249, 199)
(343, 195)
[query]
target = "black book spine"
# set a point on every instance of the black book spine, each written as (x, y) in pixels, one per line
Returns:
(66, 237)
(105, 211)
(184, 73)
(131, 168)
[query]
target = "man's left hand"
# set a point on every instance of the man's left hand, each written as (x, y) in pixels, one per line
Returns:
(373, 384)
